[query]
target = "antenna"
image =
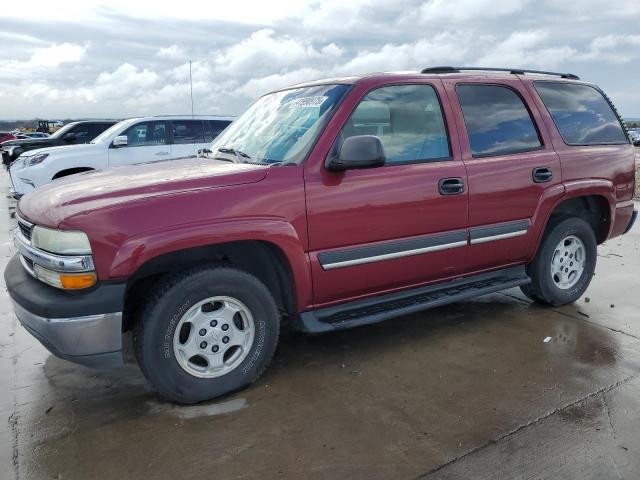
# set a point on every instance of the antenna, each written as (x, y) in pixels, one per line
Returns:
(191, 87)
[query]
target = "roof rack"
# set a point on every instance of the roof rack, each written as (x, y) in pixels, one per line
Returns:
(513, 71)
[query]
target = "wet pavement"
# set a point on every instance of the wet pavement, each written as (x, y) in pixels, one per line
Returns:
(471, 390)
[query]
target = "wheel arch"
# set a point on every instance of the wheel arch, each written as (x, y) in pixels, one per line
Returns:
(71, 171)
(263, 259)
(591, 200)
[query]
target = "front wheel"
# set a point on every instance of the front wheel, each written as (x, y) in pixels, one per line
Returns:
(205, 333)
(564, 264)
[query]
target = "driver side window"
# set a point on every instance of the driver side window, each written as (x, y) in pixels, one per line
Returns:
(146, 133)
(407, 119)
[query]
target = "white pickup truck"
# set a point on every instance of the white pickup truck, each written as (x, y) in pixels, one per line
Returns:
(131, 141)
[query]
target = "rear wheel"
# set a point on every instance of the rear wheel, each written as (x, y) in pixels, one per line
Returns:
(564, 264)
(205, 333)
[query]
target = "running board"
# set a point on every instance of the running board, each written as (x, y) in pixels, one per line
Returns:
(384, 307)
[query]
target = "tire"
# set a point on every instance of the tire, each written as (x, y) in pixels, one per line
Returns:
(160, 351)
(548, 287)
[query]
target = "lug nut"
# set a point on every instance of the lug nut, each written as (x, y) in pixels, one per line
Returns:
(202, 332)
(225, 340)
(215, 348)
(213, 323)
(225, 327)
(203, 344)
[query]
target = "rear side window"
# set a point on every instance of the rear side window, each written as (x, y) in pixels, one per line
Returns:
(497, 121)
(187, 131)
(407, 119)
(213, 128)
(583, 116)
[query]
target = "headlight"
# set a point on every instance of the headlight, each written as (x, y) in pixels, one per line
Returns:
(60, 241)
(35, 159)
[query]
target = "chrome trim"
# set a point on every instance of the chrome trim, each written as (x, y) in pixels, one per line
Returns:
(475, 241)
(19, 219)
(27, 267)
(58, 263)
(389, 256)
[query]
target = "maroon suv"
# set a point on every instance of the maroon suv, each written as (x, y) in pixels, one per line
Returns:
(334, 204)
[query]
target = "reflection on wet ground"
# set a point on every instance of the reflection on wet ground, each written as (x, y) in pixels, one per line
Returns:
(471, 390)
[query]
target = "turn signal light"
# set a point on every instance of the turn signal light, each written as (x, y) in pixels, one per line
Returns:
(74, 282)
(66, 281)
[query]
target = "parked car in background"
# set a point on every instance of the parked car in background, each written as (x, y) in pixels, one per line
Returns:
(36, 134)
(131, 141)
(336, 203)
(6, 136)
(71, 134)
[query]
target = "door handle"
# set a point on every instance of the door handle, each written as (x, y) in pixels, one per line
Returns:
(542, 174)
(162, 153)
(451, 186)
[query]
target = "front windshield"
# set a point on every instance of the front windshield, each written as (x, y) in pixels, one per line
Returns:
(59, 133)
(280, 127)
(107, 133)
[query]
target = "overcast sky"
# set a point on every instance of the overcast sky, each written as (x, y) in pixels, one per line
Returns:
(125, 58)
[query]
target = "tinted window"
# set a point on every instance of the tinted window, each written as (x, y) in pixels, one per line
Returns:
(146, 133)
(497, 121)
(187, 131)
(407, 119)
(581, 113)
(213, 128)
(83, 133)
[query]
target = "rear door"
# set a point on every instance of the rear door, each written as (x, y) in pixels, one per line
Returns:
(147, 141)
(511, 165)
(186, 137)
(381, 229)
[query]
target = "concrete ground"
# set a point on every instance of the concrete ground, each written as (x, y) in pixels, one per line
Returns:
(471, 390)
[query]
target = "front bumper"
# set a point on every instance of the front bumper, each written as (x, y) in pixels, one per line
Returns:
(84, 327)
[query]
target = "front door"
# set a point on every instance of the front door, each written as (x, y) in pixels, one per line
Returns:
(511, 166)
(146, 142)
(400, 225)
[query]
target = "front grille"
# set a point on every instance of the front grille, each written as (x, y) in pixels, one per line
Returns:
(25, 229)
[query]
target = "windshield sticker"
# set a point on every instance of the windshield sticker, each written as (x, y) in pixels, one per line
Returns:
(307, 102)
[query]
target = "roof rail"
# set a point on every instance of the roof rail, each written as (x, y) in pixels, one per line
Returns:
(514, 71)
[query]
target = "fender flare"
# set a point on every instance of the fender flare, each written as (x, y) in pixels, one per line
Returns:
(560, 193)
(138, 250)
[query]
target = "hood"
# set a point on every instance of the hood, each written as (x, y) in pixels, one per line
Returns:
(77, 148)
(61, 199)
(30, 143)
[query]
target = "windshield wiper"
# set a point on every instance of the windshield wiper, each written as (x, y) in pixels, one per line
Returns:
(233, 151)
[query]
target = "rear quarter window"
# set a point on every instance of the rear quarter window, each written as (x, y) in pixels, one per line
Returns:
(581, 113)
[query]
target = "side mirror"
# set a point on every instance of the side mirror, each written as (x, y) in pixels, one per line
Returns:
(361, 151)
(69, 137)
(120, 141)
(636, 143)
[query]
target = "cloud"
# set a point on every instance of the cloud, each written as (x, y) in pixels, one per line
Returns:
(265, 52)
(613, 48)
(118, 58)
(173, 52)
(445, 47)
(463, 10)
(525, 49)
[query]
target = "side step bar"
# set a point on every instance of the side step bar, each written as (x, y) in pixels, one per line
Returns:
(384, 307)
